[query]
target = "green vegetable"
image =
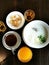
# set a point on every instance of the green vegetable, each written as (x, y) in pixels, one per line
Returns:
(42, 38)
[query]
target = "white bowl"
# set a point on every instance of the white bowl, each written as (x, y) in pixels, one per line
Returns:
(28, 31)
(16, 45)
(14, 13)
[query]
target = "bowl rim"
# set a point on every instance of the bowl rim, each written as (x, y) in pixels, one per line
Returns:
(26, 42)
(12, 27)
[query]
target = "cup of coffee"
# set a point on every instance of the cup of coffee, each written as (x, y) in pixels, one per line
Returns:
(11, 40)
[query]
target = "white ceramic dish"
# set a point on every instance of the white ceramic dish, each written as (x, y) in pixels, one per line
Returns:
(28, 31)
(15, 13)
(16, 45)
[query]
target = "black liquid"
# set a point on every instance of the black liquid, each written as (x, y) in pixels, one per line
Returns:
(11, 40)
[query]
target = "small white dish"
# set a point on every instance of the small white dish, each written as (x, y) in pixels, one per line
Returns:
(28, 33)
(12, 48)
(15, 13)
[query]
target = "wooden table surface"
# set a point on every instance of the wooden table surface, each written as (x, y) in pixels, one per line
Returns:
(41, 8)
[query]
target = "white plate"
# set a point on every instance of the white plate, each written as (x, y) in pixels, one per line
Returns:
(27, 37)
(12, 14)
(16, 45)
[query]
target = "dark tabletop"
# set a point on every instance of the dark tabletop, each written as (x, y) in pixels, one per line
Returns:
(41, 8)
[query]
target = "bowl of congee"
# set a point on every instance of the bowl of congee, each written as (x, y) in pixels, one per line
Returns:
(36, 34)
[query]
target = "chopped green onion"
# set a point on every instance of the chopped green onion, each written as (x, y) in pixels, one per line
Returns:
(42, 38)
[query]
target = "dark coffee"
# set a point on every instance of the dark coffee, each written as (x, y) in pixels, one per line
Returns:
(11, 40)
